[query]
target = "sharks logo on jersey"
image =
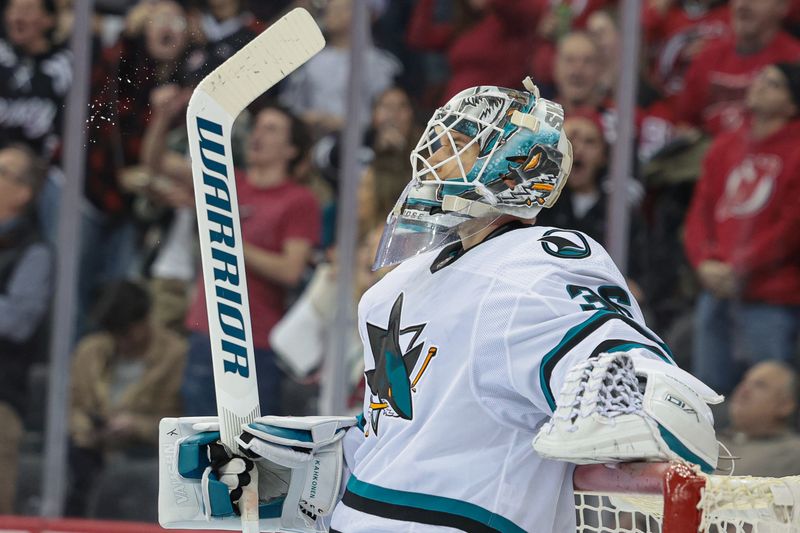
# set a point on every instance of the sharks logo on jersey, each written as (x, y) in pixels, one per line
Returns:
(566, 244)
(390, 382)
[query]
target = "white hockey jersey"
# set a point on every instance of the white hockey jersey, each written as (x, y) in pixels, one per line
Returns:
(463, 365)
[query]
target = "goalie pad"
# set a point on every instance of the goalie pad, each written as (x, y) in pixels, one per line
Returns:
(299, 462)
(619, 408)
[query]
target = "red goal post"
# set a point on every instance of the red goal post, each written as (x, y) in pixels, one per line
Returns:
(676, 498)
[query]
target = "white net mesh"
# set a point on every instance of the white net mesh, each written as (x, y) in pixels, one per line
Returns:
(727, 504)
(751, 504)
(605, 513)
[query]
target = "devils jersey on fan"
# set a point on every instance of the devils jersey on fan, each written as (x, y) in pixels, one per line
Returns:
(464, 355)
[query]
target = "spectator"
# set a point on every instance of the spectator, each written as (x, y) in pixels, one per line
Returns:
(220, 28)
(713, 97)
(390, 20)
(151, 53)
(575, 14)
(302, 336)
(317, 90)
(562, 17)
(392, 133)
(761, 410)
(583, 202)
(742, 235)
(280, 226)
(26, 271)
(602, 27)
(675, 31)
(166, 189)
(583, 198)
(125, 378)
(381, 185)
(486, 43)
(578, 75)
(35, 75)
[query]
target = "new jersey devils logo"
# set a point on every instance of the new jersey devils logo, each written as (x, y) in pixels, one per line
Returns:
(749, 187)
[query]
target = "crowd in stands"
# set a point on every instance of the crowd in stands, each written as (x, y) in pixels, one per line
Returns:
(714, 197)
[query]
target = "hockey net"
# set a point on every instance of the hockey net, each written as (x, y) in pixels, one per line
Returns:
(674, 498)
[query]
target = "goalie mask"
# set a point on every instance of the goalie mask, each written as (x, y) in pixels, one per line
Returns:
(488, 152)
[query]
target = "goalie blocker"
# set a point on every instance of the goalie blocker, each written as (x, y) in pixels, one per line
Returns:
(299, 463)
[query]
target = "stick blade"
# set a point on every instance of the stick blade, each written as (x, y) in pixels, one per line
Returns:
(271, 56)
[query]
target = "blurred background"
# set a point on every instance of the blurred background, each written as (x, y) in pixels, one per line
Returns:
(693, 181)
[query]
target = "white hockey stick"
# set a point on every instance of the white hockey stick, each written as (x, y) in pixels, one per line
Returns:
(215, 104)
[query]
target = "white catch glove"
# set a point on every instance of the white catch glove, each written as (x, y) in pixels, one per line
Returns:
(299, 462)
(618, 408)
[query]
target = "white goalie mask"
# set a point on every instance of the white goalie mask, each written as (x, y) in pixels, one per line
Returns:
(488, 152)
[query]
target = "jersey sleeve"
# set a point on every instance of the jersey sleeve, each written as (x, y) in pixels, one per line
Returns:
(572, 312)
(583, 319)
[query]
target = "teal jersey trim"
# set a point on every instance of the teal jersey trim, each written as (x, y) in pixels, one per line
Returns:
(436, 504)
(633, 345)
(577, 333)
(678, 447)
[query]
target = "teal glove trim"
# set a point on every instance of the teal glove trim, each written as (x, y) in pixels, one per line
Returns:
(678, 447)
(193, 454)
(271, 509)
(219, 497)
(300, 435)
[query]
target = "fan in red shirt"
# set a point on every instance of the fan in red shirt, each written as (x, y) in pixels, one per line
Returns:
(718, 78)
(676, 30)
(487, 44)
(578, 76)
(280, 226)
(743, 234)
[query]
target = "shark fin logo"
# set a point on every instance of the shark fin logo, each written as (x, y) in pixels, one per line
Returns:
(391, 383)
(566, 244)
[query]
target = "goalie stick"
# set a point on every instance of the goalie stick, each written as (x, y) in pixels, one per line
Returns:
(214, 106)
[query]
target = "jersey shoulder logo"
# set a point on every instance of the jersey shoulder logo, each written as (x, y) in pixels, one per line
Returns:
(390, 383)
(566, 244)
